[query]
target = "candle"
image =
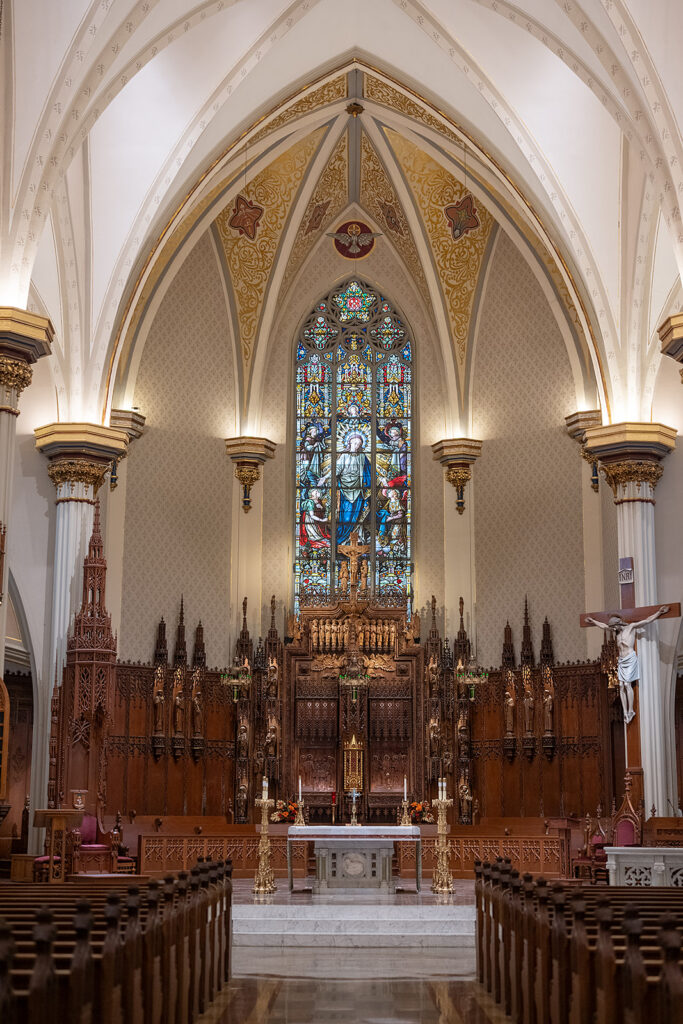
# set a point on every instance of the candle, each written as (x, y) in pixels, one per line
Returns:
(299, 789)
(265, 788)
(405, 788)
(334, 798)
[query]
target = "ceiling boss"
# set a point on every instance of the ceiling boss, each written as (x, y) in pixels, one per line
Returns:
(354, 240)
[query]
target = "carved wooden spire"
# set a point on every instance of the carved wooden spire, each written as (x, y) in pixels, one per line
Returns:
(199, 652)
(547, 653)
(527, 652)
(462, 647)
(92, 625)
(161, 647)
(508, 660)
(180, 653)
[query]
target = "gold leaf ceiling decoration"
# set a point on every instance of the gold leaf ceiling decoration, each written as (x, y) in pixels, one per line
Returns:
(327, 93)
(458, 263)
(379, 198)
(329, 198)
(384, 93)
(249, 262)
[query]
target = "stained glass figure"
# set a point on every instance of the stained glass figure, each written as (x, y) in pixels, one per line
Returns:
(353, 454)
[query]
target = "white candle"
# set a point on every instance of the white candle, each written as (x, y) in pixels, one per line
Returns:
(265, 788)
(405, 788)
(299, 789)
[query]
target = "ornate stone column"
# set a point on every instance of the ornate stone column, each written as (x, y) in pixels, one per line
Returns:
(24, 338)
(630, 457)
(248, 454)
(79, 456)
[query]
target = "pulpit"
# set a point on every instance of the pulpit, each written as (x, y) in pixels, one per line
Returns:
(58, 822)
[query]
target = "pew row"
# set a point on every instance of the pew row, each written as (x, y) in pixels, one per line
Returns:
(77, 957)
(569, 955)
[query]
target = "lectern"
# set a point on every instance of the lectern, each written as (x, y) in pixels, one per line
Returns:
(58, 821)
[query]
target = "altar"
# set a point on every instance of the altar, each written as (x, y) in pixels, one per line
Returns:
(354, 857)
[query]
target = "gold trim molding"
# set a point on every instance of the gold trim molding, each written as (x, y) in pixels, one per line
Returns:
(77, 471)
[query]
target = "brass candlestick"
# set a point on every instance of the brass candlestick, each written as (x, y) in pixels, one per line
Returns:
(264, 883)
(405, 817)
(299, 820)
(443, 879)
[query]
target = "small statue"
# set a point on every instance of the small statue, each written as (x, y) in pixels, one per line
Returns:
(548, 700)
(178, 703)
(241, 802)
(343, 577)
(314, 635)
(272, 678)
(433, 674)
(334, 630)
(364, 575)
(270, 744)
(510, 705)
(159, 699)
(434, 736)
(328, 634)
(197, 704)
(528, 702)
(243, 739)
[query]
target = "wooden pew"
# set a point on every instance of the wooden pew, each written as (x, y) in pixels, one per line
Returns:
(72, 960)
(569, 955)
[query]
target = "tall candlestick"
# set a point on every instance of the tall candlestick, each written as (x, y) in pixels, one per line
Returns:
(299, 789)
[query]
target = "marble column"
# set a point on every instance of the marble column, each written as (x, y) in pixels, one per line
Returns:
(248, 455)
(24, 338)
(79, 454)
(630, 457)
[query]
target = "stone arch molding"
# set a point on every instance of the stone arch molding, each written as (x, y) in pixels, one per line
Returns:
(290, 122)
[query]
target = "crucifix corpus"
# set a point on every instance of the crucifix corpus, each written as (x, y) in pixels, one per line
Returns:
(625, 622)
(354, 552)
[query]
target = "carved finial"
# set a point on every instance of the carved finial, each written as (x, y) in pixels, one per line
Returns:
(627, 782)
(462, 611)
(95, 546)
(433, 612)
(181, 617)
(526, 610)
(272, 612)
(244, 614)
(527, 652)
(180, 652)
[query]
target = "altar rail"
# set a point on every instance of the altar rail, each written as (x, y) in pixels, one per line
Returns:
(640, 865)
(571, 955)
(159, 854)
(73, 959)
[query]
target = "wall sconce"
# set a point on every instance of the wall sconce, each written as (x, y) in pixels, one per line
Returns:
(248, 454)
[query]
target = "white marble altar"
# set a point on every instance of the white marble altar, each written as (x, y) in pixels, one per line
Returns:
(645, 865)
(354, 857)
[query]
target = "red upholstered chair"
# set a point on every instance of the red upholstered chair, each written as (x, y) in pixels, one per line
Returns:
(96, 851)
(627, 824)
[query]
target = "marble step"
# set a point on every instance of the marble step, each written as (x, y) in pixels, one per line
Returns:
(355, 926)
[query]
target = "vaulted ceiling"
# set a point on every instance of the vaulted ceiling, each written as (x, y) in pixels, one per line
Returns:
(134, 125)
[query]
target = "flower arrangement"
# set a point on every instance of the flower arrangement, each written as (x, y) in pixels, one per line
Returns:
(421, 813)
(285, 810)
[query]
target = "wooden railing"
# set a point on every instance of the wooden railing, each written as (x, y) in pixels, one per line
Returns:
(569, 955)
(75, 959)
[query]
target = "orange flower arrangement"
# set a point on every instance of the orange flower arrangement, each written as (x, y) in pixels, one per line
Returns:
(286, 810)
(421, 812)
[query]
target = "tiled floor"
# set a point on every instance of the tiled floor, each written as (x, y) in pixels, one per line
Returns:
(349, 986)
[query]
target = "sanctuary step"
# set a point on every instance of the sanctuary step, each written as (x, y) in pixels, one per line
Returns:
(357, 923)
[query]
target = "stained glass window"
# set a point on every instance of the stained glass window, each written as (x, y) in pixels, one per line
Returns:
(354, 446)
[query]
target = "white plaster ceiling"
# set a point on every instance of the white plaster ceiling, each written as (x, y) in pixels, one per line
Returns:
(131, 101)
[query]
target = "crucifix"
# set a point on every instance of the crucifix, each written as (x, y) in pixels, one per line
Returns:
(354, 552)
(625, 621)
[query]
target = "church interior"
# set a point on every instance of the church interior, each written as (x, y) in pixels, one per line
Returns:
(341, 377)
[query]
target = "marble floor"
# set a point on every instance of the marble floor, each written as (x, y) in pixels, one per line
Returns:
(462, 895)
(327, 985)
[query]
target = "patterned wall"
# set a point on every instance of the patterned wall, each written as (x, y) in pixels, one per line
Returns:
(610, 545)
(528, 519)
(324, 268)
(178, 499)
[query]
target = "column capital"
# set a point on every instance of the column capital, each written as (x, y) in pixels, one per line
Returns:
(79, 453)
(631, 453)
(671, 336)
(24, 338)
(457, 455)
(577, 424)
(248, 455)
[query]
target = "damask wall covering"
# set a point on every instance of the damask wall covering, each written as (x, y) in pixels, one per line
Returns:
(528, 522)
(179, 491)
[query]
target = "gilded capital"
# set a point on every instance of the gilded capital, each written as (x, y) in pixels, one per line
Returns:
(24, 338)
(80, 454)
(15, 374)
(457, 455)
(630, 456)
(248, 454)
